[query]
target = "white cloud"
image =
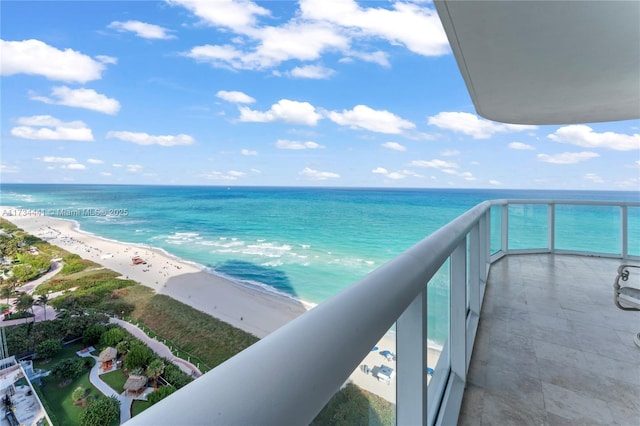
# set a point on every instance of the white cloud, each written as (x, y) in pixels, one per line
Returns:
(434, 164)
(142, 29)
(567, 157)
(287, 144)
(107, 59)
(59, 160)
(495, 182)
(378, 57)
(46, 127)
(67, 163)
(240, 15)
(363, 117)
(318, 175)
(75, 166)
(248, 152)
(394, 146)
(388, 174)
(450, 153)
(412, 173)
(313, 31)
(117, 166)
(593, 177)
(272, 46)
(285, 110)
(235, 97)
(317, 72)
(141, 138)
(134, 168)
(94, 161)
(521, 146)
(38, 58)
(8, 168)
(217, 175)
(416, 27)
(81, 98)
(470, 124)
(584, 136)
(304, 41)
(105, 174)
(225, 56)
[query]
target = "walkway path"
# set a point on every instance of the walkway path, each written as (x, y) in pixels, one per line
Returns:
(31, 285)
(40, 312)
(125, 401)
(158, 347)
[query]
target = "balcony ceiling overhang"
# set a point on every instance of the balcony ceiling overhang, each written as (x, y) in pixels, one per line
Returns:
(547, 62)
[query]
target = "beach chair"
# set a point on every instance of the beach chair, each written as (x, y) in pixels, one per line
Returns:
(626, 296)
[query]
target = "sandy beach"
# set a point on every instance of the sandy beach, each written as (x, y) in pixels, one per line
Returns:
(251, 310)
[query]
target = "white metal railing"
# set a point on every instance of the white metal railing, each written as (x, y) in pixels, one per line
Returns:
(288, 376)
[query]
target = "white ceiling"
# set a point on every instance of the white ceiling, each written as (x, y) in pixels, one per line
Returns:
(548, 62)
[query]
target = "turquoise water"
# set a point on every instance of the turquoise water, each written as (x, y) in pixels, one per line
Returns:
(306, 242)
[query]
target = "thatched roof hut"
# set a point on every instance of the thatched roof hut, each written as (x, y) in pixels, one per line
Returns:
(108, 354)
(135, 383)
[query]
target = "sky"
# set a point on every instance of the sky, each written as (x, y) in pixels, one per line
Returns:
(277, 93)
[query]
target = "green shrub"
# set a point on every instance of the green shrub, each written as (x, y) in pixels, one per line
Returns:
(74, 263)
(139, 356)
(113, 336)
(48, 348)
(160, 394)
(93, 334)
(101, 411)
(174, 375)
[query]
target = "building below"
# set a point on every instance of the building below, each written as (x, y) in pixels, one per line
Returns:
(20, 403)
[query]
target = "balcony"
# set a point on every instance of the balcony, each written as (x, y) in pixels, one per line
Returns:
(549, 340)
(551, 347)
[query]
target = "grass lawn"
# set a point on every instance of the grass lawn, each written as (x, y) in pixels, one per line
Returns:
(68, 351)
(59, 398)
(116, 379)
(206, 337)
(139, 406)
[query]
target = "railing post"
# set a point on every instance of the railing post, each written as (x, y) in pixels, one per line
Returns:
(475, 272)
(459, 310)
(552, 227)
(624, 230)
(411, 381)
(505, 229)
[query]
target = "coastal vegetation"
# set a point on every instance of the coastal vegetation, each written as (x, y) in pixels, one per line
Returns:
(88, 295)
(353, 406)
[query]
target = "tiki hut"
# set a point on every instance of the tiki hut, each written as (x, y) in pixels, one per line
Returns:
(107, 357)
(135, 384)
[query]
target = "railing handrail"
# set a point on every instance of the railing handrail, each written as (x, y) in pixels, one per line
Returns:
(562, 202)
(288, 376)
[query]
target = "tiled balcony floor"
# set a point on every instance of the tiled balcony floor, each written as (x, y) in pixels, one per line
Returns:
(552, 348)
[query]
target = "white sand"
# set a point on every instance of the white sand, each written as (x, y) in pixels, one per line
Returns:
(251, 310)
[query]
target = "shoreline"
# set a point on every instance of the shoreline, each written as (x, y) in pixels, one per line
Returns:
(254, 310)
(251, 308)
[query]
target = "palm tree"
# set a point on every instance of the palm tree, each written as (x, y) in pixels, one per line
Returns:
(25, 302)
(6, 291)
(155, 369)
(43, 299)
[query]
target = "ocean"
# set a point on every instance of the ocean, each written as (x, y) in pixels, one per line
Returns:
(306, 243)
